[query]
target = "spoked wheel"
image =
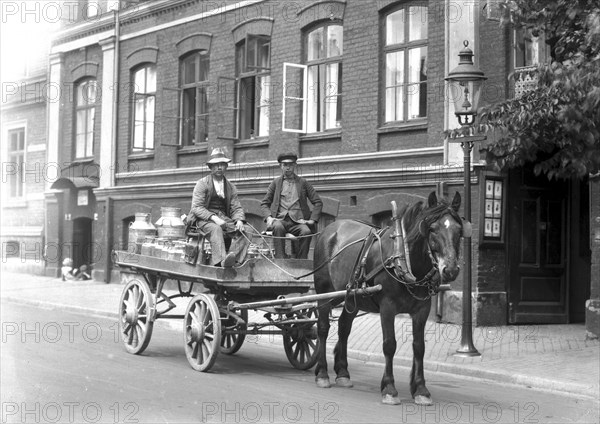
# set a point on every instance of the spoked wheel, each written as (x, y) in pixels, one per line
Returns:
(231, 341)
(135, 316)
(300, 340)
(202, 332)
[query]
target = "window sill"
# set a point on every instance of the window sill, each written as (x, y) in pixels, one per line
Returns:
(15, 203)
(255, 142)
(330, 134)
(141, 155)
(188, 150)
(402, 127)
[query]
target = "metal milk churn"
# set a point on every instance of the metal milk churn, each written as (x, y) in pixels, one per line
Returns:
(138, 230)
(170, 225)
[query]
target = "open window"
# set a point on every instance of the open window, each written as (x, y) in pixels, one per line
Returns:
(295, 95)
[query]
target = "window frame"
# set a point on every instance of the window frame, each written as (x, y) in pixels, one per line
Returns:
(544, 49)
(252, 115)
(16, 184)
(200, 89)
(89, 111)
(405, 47)
(147, 146)
(318, 114)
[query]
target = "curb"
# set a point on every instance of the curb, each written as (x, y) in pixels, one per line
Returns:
(462, 371)
(495, 377)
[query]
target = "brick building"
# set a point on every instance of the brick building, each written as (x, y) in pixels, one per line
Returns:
(355, 87)
(23, 156)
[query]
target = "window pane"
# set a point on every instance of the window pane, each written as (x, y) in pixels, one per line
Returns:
(417, 89)
(315, 44)
(417, 23)
(241, 58)
(140, 81)
(189, 116)
(149, 122)
(89, 148)
(189, 69)
(151, 79)
(335, 40)
(394, 71)
(138, 135)
(395, 28)
(264, 101)
(204, 66)
(314, 99)
(251, 53)
(264, 54)
(331, 97)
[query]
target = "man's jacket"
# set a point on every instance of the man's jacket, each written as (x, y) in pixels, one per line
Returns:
(270, 203)
(204, 192)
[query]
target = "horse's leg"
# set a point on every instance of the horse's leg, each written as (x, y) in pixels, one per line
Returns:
(418, 390)
(388, 389)
(321, 375)
(341, 348)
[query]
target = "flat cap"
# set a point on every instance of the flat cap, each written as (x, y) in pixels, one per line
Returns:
(288, 157)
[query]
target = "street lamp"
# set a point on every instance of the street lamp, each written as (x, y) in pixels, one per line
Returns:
(465, 83)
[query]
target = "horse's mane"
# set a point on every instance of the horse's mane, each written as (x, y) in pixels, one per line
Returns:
(418, 212)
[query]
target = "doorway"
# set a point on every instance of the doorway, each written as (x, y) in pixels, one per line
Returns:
(548, 264)
(82, 242)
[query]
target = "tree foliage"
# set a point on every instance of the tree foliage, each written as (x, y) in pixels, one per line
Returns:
(556, 125)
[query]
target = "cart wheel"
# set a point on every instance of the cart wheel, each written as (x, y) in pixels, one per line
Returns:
(202, 332)
(300, 340)
(135, 316)
(232, 342)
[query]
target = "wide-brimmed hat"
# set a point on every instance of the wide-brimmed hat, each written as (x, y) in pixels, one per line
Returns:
(218, 156)
(288, 157)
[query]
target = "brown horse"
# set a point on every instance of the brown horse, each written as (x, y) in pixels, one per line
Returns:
(433, 236)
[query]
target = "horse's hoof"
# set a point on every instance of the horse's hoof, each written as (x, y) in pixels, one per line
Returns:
(323, 383)
(423, 400)
(343, 382)
(390, 400)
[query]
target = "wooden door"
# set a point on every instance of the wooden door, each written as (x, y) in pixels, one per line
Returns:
(538, 249)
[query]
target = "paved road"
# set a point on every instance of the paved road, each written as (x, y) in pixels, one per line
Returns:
(65, 367)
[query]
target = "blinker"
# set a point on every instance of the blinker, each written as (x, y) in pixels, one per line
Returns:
(467, 228)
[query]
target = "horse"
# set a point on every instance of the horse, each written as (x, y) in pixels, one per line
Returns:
(433, 238)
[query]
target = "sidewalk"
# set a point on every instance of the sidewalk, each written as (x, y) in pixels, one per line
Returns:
(543, 357)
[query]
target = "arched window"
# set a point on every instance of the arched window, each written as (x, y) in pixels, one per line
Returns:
(405, 50)
(86, 93)
(194, 69)
(253, 70)
(144, 100)
(324, 49)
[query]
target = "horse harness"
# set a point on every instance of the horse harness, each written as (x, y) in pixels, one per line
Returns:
(399, 262)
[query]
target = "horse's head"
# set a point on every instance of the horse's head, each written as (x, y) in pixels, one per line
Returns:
(442, 227)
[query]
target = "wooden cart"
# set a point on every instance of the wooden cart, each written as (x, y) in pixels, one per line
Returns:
(216, 319)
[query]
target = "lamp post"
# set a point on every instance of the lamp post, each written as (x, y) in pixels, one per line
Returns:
(465, 86)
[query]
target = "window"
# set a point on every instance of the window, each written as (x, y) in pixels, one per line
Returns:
(324, 49)
(405, 51)
(530, 50)
(16, 159)
(144, 96)
(194, 98)
(253, 70)
(85, 110)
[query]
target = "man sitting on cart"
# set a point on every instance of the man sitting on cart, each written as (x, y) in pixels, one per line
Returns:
(217, 212)
(285, 207)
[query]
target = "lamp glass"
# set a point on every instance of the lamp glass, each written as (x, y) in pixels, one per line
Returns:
(465, 96)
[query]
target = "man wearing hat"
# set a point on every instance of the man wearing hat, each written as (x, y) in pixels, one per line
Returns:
(285, 207)
(217, 212)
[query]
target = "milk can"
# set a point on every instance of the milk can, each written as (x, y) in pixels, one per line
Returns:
(170, 225)
(138, 230)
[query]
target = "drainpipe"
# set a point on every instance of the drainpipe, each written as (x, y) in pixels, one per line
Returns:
(109, 206)
(115, 95)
